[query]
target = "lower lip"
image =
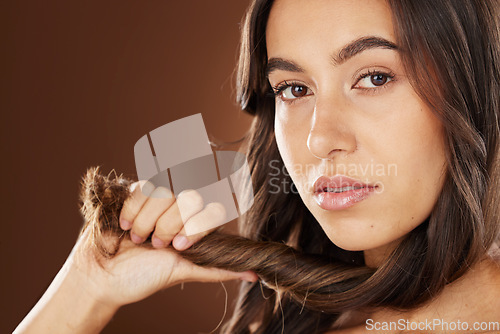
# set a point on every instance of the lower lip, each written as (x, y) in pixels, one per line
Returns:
(339, 201)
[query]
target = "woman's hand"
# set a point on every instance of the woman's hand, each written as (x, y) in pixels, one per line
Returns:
(136, 272)
(89, 288)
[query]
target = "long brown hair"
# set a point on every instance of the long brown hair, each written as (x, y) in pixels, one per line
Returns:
(451, 52)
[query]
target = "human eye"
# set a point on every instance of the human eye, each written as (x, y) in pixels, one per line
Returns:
(373, 80)
(291, 91)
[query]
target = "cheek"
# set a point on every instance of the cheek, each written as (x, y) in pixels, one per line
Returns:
(291, 138)
(421, 166)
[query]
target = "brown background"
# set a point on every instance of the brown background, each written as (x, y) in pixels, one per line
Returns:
(82, 81)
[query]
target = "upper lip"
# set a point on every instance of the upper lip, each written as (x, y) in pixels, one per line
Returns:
(336, 182)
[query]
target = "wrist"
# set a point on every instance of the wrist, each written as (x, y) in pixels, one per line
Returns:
(91, 311)
(68, 306)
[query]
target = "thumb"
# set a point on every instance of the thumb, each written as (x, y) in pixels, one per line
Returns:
(195, 273)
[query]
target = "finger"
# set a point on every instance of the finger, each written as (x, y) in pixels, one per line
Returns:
(139, 194)
(190, 203)
(199, 225)
(169, 224)
(190, 272)
(144, 223)
(217, 275)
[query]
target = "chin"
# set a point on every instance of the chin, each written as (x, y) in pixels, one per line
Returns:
(356, 238)
(352, 245)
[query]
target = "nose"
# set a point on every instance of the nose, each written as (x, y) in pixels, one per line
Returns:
(331, 131)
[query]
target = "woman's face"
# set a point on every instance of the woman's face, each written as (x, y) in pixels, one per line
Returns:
(365, 153)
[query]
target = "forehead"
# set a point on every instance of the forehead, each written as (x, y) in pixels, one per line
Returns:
(296, 25)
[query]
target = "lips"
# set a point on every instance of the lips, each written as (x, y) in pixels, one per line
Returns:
(340, 192)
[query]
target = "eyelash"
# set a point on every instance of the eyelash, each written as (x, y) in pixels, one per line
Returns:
(279, 88)
(390, 75)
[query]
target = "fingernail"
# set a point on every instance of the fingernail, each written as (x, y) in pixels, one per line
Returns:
(180, 242)
(125, 224)
(249, 277)
(135, 238)
(157, 242)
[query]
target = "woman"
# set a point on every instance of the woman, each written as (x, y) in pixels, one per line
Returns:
(374, 154)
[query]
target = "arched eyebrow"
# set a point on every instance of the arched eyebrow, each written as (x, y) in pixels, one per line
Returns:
(360, 45)
(275, 64)
(347, 52)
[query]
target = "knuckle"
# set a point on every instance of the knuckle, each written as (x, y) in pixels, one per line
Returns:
(162, 192)
(146, 187)
(217, 209)
(192, 197)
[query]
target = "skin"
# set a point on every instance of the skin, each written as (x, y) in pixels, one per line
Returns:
(349, 125)
(335, 120)
(84, 296)
(335, 124)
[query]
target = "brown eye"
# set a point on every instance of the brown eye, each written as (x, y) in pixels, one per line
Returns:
(299, 91)
(378, 79)
(295, 91)
(373, 80)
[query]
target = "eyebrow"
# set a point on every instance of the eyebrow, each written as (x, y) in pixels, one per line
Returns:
(347, 52)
